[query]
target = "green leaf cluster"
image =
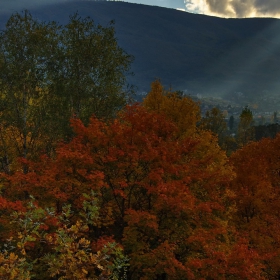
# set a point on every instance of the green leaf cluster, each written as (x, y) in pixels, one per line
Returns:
(50, 73)
(64, 252)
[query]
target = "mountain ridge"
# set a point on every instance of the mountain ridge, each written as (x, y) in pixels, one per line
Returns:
(206, 55)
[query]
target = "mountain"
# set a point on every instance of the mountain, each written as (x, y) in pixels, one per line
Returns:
(236, 59)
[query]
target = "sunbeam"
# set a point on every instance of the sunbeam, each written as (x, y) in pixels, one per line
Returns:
(264, 46)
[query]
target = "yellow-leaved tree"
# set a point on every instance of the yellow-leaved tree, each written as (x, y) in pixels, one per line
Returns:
(180, 109)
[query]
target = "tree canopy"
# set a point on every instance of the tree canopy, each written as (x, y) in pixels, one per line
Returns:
(93, 189)
(50, 73)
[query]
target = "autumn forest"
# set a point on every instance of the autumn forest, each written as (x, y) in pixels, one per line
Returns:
(96, 186)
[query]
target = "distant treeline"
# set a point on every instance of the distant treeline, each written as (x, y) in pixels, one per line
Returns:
(266, 131)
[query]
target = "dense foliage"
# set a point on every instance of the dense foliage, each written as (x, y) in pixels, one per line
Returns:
(145, 194)
(50, 73)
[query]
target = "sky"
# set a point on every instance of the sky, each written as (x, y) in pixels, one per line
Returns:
(221, 8)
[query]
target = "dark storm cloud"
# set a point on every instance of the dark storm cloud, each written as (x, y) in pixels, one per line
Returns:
(244, 8)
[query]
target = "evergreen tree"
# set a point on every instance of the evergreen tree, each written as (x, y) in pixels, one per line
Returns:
(214, 120)
(245, 127)
(231, 123)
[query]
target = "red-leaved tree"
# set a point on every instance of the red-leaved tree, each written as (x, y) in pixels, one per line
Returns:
(164, 197)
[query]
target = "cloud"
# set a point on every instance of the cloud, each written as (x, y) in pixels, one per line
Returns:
(220, 7)
(223, 8)
(268, 6)
(194, 6)
(236, 8)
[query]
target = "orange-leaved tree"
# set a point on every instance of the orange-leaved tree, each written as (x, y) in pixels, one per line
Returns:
(180, 109)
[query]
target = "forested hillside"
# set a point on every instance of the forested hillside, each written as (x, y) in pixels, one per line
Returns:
(94, 186)
(206, 55)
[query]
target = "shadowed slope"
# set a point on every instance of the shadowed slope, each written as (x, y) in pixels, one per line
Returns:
(204, 54)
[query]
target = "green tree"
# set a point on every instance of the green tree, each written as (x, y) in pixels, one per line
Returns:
(274, 117)
(26, 47)
(214, 120)
(92, 68)
(245, 127)
(231, 123)
(50, 73)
